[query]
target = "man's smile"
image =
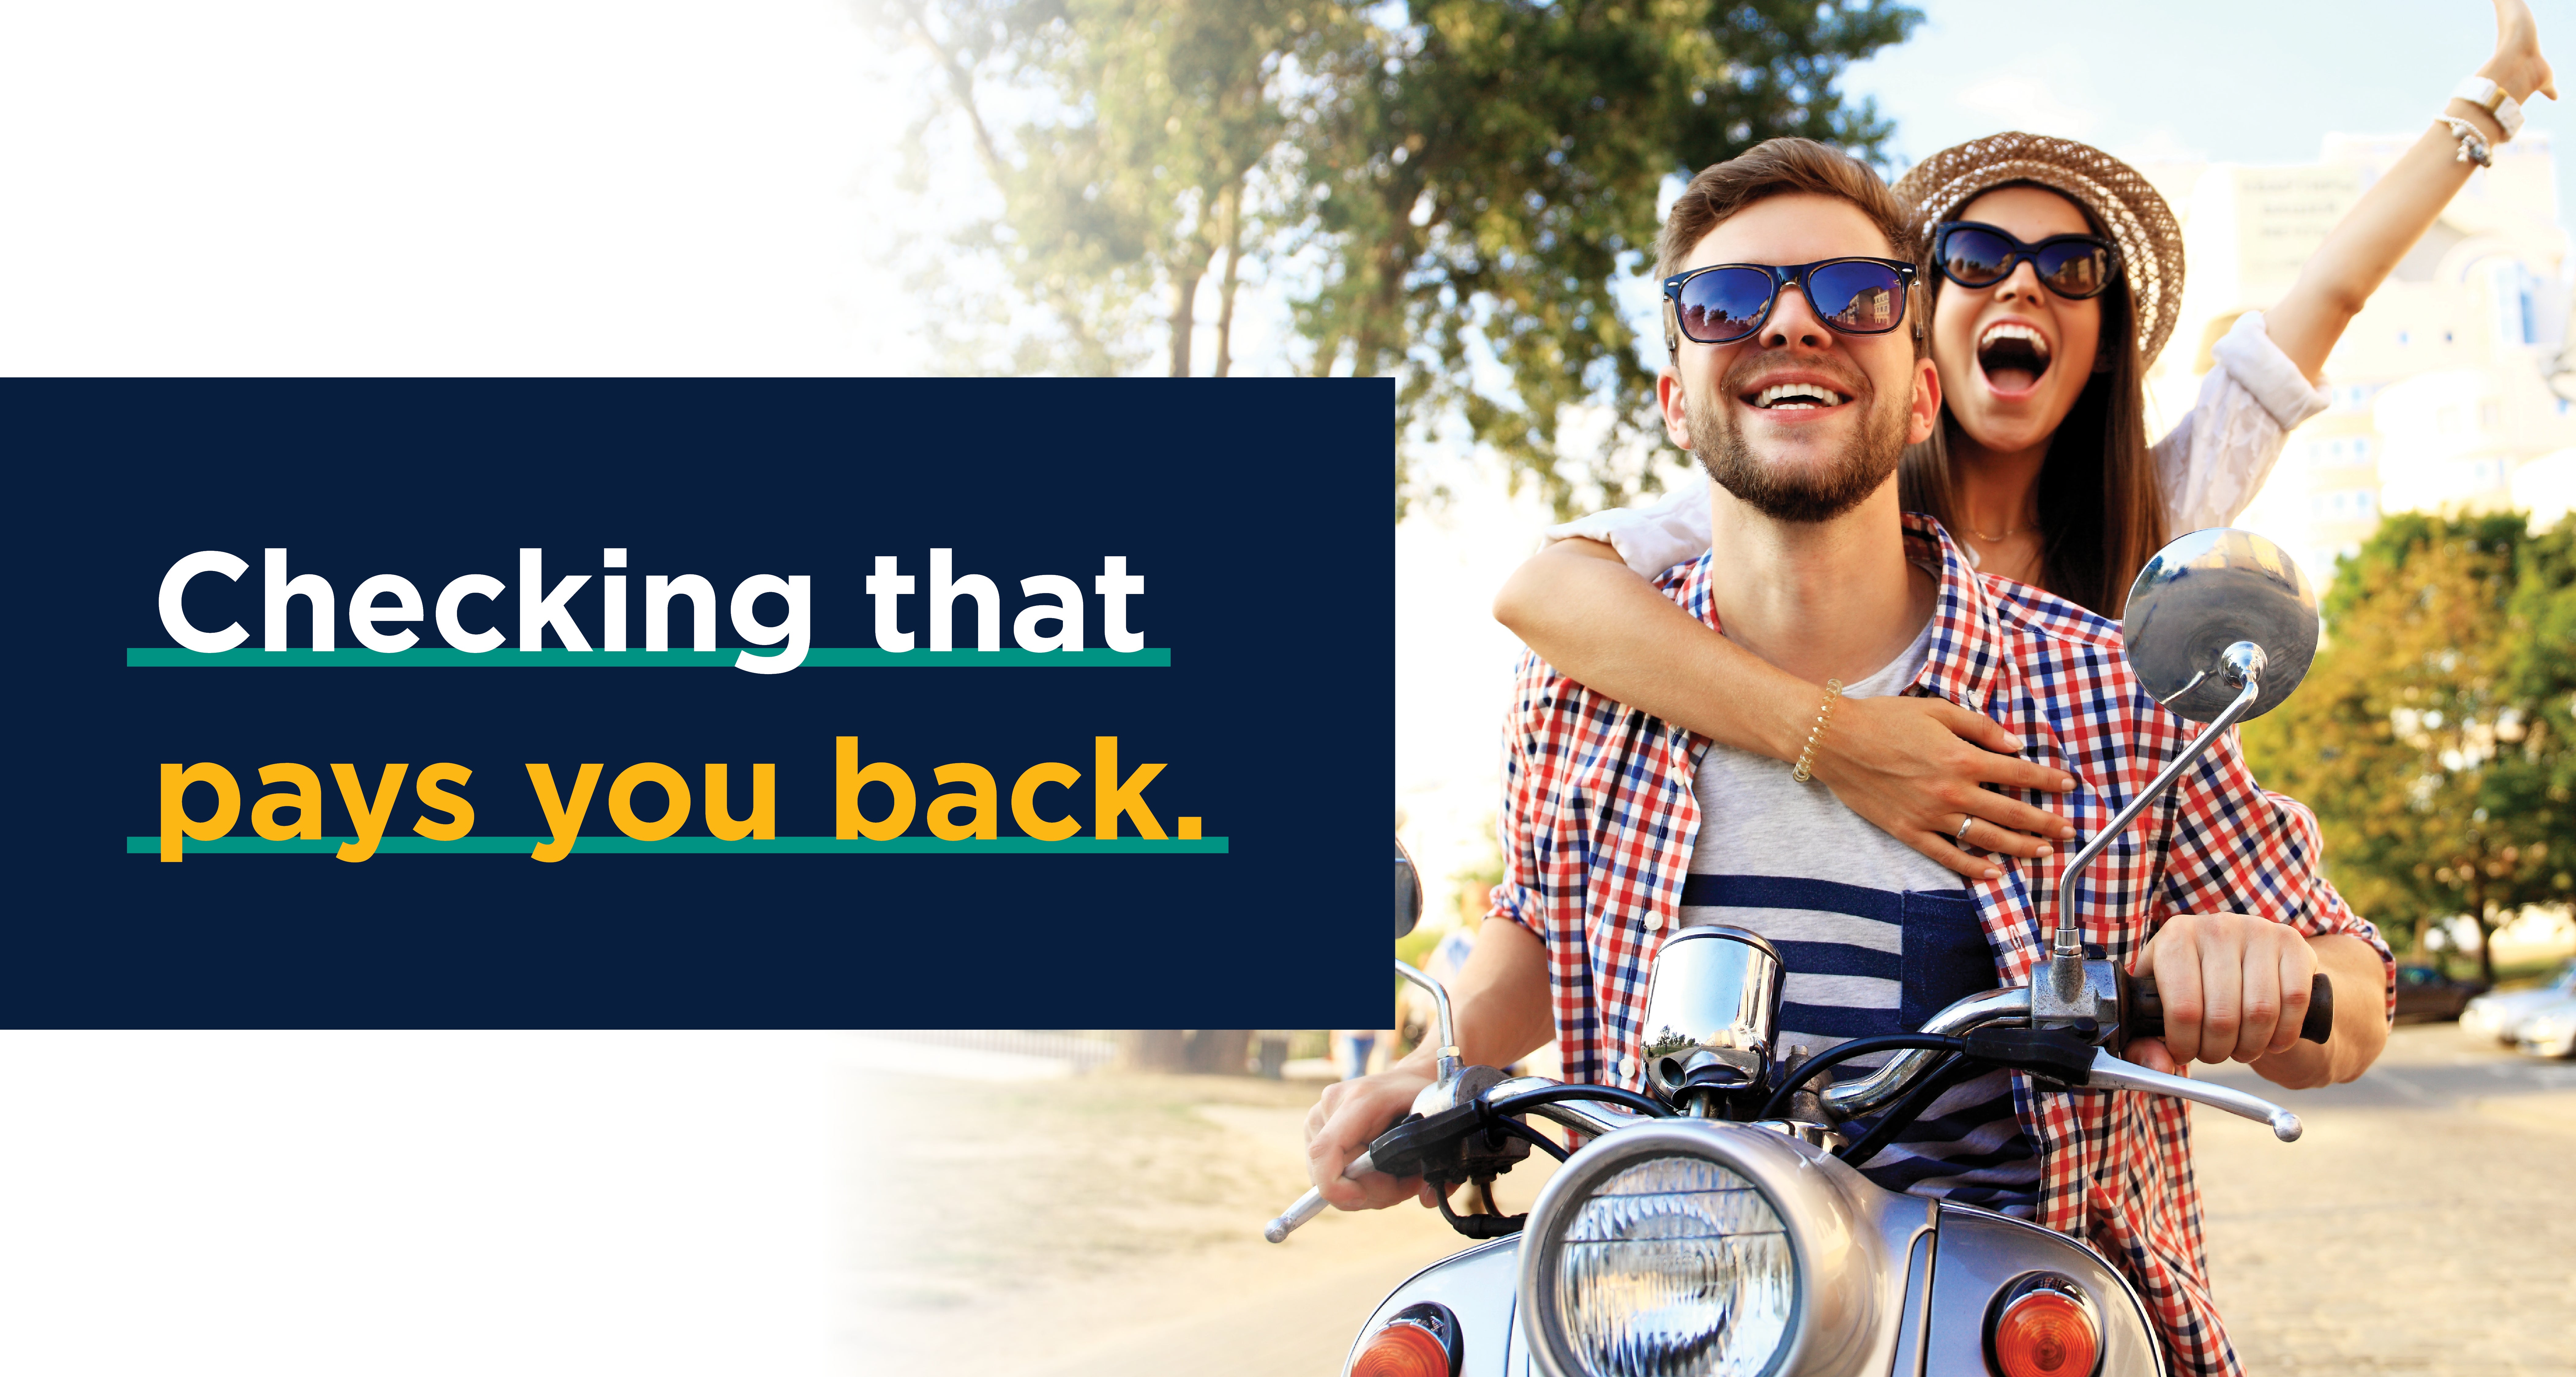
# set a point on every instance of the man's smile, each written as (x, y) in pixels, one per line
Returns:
(1797, 395)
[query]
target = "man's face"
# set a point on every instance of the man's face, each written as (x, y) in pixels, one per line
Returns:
(1798, 457)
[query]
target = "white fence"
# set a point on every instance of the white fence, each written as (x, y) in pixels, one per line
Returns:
(960, 1049)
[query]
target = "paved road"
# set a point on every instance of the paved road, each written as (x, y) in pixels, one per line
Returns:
(1107, 1227)
(2425, 1223)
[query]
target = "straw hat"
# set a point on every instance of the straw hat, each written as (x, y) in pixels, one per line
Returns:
(2136, 217)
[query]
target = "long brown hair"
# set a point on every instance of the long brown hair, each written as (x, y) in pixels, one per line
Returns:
(2099, 508)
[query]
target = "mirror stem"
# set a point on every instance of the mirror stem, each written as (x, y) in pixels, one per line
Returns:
(2240, 665)
(1448, 1065)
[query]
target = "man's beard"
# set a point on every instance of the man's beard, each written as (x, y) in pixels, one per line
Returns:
(1786, 492)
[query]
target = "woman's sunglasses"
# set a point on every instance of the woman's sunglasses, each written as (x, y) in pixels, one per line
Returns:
(1726, 302)
(2075, 266)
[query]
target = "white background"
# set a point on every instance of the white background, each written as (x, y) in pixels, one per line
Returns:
(382, 1204)
(649, 187)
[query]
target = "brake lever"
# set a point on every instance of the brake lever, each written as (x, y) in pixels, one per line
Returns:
(2110, 1073)
(1311, 1203)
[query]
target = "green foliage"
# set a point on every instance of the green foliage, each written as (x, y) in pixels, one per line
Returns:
(1118, 135)
(1487, 173)
(2431, 736)
(1466, 187)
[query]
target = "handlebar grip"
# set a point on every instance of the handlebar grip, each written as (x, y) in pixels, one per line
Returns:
(2143, 1013)
(2319, 1024)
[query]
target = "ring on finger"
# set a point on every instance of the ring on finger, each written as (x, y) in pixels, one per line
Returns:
(1965, 822)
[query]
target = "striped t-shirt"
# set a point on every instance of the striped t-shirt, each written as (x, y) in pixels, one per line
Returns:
(1874, 938)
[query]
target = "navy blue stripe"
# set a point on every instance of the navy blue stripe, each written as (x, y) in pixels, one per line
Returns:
(1951, 1128)
(2001, 1199)
(1905, 1179)
(1932, 1147)
(1898, 1172)
(1779, 891)
(1835, 1021)
(1840, 958)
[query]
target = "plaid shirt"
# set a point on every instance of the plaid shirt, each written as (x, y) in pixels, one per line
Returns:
(1599, 822)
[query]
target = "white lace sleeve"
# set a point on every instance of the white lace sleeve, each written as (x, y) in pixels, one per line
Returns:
(2214, 462)
(1652, 538)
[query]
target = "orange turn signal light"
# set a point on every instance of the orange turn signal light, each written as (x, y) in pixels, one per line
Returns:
(2046, 1333)
(1418, 1341)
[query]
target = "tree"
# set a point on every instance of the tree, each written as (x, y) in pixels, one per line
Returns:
(2431, 735)
(1122, 179)
(1486, 174)
(1470, 187)
(2543, 673)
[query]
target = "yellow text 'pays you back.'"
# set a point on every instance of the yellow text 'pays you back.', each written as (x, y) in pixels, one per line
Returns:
(875, 803)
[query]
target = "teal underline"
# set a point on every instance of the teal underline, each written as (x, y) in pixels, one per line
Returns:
(772, 846)
(558, 657)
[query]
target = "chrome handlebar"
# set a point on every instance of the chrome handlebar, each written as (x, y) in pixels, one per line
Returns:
(1874, 1091)
(1595, 1119)
(1893, 1078)
(1899, 1073)
(1447, 1070)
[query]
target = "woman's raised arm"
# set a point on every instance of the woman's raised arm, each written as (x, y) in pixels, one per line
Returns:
(1911, 766)
(2401, 205)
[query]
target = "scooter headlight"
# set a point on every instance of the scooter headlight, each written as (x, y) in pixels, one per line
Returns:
(1675, 1265)
(1686, 1248)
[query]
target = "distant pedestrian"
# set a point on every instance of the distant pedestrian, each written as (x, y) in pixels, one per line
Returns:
(1355, 1050)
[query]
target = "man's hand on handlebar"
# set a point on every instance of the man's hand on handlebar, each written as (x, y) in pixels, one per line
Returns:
(1501, 1000)
(1343, 1122)
(2235, 988)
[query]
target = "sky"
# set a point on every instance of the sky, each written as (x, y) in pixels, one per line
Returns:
(691, 186)
(2232, 82)
(653, 187)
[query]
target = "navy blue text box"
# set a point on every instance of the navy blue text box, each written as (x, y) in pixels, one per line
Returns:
(1254, 511)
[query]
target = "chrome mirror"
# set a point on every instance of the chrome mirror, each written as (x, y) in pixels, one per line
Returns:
(1408, 892)
(2202, 597)
(1712, 1011)
(2220, 627)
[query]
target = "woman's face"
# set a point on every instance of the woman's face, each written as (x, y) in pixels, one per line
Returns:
(2014, 357)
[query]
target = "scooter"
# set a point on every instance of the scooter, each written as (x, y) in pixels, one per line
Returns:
(1718, 1225)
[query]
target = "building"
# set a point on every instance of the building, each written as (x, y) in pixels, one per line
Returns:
(2442, 386)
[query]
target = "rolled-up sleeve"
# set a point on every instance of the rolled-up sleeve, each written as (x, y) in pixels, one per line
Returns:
(2211, 466)
(2239, 848)
(2326, 912)
(1524, 788)
(1652, 538)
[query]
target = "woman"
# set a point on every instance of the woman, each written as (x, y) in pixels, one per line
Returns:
(2041, 471)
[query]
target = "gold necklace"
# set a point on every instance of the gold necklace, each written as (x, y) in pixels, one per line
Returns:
(2009, 533)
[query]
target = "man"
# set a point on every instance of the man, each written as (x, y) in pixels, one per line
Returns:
(1618, 828)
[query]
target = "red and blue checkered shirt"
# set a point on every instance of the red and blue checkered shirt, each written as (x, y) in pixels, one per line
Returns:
(1599, 820)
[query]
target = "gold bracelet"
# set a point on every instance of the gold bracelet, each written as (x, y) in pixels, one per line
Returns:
(1824, 719)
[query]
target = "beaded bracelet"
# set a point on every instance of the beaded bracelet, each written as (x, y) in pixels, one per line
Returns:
(1824, 719)
(2473, 146)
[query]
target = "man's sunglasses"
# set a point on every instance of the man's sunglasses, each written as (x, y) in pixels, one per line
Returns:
(1726, 302)
(2075, 266)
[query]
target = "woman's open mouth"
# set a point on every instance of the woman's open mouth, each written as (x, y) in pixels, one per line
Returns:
(2013, 356)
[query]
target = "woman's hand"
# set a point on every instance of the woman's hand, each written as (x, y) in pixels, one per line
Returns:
(1913, 767)
(2517, 65)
